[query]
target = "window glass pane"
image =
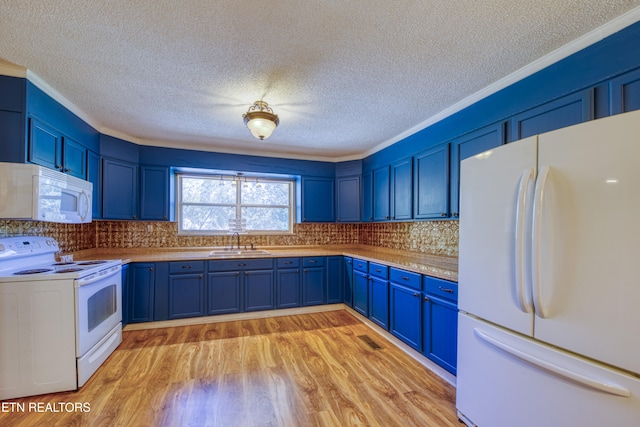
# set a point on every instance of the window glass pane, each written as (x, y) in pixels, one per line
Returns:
(208, 190)
(207, 217)
(267, 219)
(265, 193)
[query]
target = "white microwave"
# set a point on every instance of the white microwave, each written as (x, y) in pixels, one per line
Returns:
(34, 192)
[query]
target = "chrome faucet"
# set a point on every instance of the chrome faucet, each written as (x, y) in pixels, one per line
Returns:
(237, 235)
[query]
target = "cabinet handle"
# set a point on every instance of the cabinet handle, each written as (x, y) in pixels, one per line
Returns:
(242, 264)
(297, 271)
(150, 268)
(287, 263)
(164, 217)
(200, 276)
(312, 261)
(246, 273)
(443, 214)
(237, 273)
(426, 298)
(186, 266)
(455, 214)
(378, 270)
(386, 217)
(447, 290)
(134, 216)
(415, 294)
(404, 278)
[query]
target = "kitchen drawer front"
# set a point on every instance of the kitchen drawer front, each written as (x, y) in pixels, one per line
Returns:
(406, 278)
(360, 265)
(241, 264)
(288, 262)
(313, 261)
(441, 288)
(378, 270)
(184, 267)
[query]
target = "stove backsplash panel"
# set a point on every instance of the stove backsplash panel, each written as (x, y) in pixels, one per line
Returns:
(430, 237)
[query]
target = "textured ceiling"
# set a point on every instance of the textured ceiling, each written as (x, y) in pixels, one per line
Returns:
(345, 77)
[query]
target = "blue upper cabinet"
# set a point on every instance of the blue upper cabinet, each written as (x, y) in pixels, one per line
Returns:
(318, 199)
(94, 175)
(348, 199)
(431, 183)
(367, 197)
(625, 93)
(566, 111)
(469, 145)
(119, 189)
(154, 193)
(45, 145)
(74, 158)
(381, 194)
(401, 196)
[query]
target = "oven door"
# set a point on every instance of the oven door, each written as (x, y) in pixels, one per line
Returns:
(98, 307)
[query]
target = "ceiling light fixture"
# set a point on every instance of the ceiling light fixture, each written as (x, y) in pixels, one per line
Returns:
(261, 120)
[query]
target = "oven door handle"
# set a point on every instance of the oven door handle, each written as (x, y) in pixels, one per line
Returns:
(97, 276)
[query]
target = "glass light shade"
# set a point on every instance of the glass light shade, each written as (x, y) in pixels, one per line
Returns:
(261, 127)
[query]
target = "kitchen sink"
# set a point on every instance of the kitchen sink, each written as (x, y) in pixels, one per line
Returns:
(237, 253)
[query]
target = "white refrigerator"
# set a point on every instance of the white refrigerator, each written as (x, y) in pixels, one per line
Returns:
(549, 279)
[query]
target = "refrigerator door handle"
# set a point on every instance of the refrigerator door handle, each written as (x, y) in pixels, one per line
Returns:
(536, 237)
(522, 282)
(556, 369)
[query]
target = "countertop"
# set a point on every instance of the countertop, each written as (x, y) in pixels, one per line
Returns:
(443, 267)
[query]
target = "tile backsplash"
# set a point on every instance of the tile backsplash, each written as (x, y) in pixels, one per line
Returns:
(430, 237)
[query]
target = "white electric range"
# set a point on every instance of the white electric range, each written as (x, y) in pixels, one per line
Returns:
(59, 321)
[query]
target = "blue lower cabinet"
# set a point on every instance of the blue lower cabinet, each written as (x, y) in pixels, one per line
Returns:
(314, 281)
(335, 279)
(140, 291)
(125, 298)
(347, 281)
(361, 292)
(405, 315)
(223, 292)
(288, 288)
(186, 295)
(440, 331)
(258, 290)
(379, 301)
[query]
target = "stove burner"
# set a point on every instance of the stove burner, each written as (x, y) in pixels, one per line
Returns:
(32, 271)
(92, 262)
(69, 270)
(63, 263)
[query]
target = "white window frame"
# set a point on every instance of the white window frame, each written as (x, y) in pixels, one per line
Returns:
(239, 179)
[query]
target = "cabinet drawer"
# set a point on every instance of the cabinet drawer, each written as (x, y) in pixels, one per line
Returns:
(406, 278)
(241, 264)
(441, 288)
(179, 267)
(360, 265)
(313, 261)
(288, 262)
(379, 270)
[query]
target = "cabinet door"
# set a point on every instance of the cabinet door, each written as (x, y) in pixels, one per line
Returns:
(381, 211)
(625, 93)
(405, 315)
(469, 145)
(94, 175)
(45, 145)
(431, 183)
(258, 290)
(348, 199)
(288, 288)
(119, 190)
(379, 301)
(440, 331)
(361, 292)
(313, 286)
(141, 291)
(401, 190)
(318, 199)
(223, 292)
(74, 157)
(335, 278)
(154, 193)
(186, 295)
(347, 281)
(367, 197)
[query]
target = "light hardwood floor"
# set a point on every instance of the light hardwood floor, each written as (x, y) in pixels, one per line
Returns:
(302, 370)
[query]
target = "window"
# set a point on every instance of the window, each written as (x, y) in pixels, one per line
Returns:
(219, 204)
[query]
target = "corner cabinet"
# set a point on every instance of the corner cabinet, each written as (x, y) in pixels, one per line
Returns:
(348, 199)
(318, 199)
(119, 189)
(431, 183)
